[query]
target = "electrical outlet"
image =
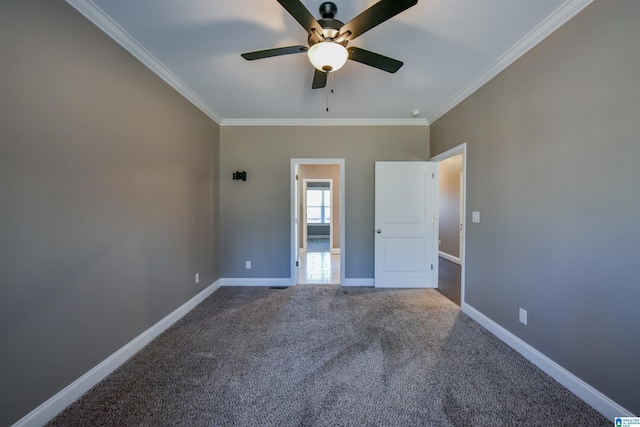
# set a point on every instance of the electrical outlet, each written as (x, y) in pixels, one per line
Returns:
(247, 265)
(523, 316)
(439, 242)
(197, 278)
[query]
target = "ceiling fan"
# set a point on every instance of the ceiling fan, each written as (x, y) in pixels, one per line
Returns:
(328, 37)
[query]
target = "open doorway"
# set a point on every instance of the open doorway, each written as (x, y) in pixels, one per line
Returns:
(317, 209)
(317, 221)
(451, 222)
(319, 255)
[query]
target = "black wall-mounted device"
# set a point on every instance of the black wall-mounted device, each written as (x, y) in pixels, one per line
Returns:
(240, 175)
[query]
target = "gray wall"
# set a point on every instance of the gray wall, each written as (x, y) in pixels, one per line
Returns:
(449, 205)
(255, 215)
(553, 152)
(322, 172)
(107, 207)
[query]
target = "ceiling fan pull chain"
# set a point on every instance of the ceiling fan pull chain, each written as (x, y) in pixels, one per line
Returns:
(327, 94)
(329, 88)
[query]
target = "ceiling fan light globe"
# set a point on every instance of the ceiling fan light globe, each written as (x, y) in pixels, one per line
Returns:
(327, 56)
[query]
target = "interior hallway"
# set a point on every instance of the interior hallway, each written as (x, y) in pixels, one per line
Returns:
(449, 280)
(319, 268)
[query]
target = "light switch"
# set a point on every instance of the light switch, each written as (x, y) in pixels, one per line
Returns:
(523, 316)
(475, 216)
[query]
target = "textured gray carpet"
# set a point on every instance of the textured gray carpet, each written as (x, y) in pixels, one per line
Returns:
(320, 355)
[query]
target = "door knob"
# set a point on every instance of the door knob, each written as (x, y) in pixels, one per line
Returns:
(378, 231)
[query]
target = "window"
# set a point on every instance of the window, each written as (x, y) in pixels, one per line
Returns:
(318, 206)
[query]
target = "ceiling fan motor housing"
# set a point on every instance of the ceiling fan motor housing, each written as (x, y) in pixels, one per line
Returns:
(330, 27)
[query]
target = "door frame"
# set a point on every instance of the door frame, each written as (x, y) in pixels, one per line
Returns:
(295, 207)
(461, 218)
(460, 149)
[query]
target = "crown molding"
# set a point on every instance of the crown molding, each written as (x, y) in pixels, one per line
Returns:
(96, 15)
(564, 13)
(324, 122)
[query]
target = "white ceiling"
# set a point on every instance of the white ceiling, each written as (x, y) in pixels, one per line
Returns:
(449, 49)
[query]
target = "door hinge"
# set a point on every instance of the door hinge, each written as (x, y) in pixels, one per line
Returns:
(432, 266)
(296, 177)
(433, 175)
(297, 264)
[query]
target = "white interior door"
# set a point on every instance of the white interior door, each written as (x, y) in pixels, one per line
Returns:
(405, 224)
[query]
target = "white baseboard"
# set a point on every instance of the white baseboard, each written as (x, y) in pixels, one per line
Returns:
(56, 404)
(249, 281)
(584, 391)
(358, 282)
(448, 257)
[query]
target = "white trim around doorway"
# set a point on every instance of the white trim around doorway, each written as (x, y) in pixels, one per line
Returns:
(460, 149)
(293, 213)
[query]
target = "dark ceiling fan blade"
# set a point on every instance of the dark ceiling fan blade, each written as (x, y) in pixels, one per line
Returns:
(319, 79)
(259, 54)
(373, 59)
(375, 15)
(304, 17)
